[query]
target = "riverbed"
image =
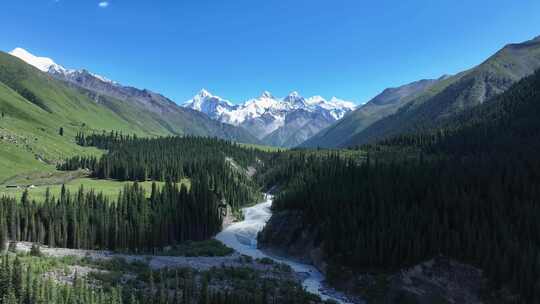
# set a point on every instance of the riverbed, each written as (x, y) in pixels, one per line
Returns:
(242, 236)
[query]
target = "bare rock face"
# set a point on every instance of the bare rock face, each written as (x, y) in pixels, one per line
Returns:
(440, 280)
(286, 234)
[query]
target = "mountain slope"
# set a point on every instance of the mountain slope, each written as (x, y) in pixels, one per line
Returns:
(424, 103)
(147, 110)
(29, 127)
(35, 106)
(276, 121)
(508, 123)
(299, 125)
(384, 104)
(474, 87)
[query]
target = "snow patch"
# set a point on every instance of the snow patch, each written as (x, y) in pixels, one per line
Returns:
(48, 65)
(44, 64)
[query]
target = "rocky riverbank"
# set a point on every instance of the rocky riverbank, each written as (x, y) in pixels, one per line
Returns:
(439, 280)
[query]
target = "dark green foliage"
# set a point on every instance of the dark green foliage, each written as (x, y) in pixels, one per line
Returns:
(472, 194)
(27, 283)
(35, 250)
(12, 247)
(174, 158)
(170, 216)
(508, 124)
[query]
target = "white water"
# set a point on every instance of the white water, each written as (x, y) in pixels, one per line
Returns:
(242, 236)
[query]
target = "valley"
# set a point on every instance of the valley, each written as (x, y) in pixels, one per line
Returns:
(124, 189)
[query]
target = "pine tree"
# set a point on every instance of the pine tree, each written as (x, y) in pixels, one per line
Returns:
(17, 278)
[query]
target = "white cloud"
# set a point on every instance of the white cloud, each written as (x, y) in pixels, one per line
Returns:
(103, 4)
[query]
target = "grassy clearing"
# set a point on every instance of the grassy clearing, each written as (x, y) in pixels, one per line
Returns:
(109, 188)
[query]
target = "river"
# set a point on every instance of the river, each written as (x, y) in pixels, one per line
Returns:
(242, 236)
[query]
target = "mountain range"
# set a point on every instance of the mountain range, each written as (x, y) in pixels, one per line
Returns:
(285, 122)
(153, 113)
(427, 103)
(289, 121)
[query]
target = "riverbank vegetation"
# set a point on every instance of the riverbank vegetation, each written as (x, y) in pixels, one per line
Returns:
(26, 278)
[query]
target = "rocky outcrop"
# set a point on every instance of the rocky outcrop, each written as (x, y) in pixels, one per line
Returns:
(286, 234)
(440, 280)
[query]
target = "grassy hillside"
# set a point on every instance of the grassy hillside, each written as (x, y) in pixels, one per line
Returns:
(152, 111)
(381, 106)
(411, 106)
(471, 89)
(35, 106)
(29, 136)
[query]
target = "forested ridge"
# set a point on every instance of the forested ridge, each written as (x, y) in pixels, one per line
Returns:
(469, 191)
(508, 124)
(170, 216)
(172, 159)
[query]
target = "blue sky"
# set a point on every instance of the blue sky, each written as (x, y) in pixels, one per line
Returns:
(352, 49)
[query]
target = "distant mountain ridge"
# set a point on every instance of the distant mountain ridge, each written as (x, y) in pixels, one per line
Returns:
(382, 105)
(276, 121)
(138, 106)
(424, 104)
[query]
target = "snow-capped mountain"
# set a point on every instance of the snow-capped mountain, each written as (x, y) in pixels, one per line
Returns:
(97, 85)
(138, 106)
(284, 121)
(49, 66)
(213, 106)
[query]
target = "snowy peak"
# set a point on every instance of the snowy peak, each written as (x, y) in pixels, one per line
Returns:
(48, 65)
(206, 97)
(340, 103)
(44, 64)
(266, 114)
(293, 95)
(266, 94)
(266, 103)
(204, 93)
(213, 106)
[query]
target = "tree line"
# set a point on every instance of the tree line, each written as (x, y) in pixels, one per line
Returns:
(88, 220)
(173, 158)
